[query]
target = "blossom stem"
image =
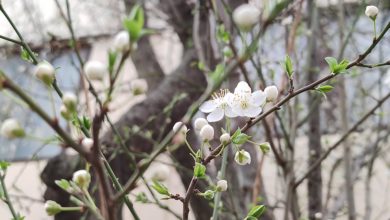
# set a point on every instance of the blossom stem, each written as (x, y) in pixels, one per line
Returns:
(7, 199)
(189, 146)
(221, 175)
(70, 209)
(374, 29)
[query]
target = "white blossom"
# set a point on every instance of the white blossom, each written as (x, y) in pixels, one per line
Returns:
(246, 16)
(222, 185)
(242, 157)
(82, 178)
(372, 11)
(217, 107)
(224, 138)
(122, 41)
(183, 129)
(207, 133)
(318, 215)
(87, 143)
(200, 123)
(69, 100)
(245, 103)
(95, 70)
(12, 129)
(287, 20)
(160, 173)
(45, 72)
(271, 92)
(139, 86)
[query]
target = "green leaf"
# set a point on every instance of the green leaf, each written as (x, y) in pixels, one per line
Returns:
(288, 66)
(332, 62)
(256, 212)
(86, 123)
(135, 23)
(112, 55)
(222, 35)
(142, 198)
(324, 88)
(63, 184)
(199, 170)
(160, 188)
(4, 165)
(240, 138)
(236, 133)
(336, 67)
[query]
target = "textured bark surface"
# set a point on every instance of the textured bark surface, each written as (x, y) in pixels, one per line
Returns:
(314, 181)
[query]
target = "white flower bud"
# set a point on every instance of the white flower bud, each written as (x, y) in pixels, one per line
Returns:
(246, 16)
(95, 70)
(200, 123)
(372, 11)
(209, 194)
(69, 100)
(318, 215)
(65, 112)
(45, 72)
(242, 157)
(12, 129)
(222, 185)
(122, 41)
(225, 138)
(207, 133)
(161, 173)
(82, 178)
(87, 143)
(52, 208)
(271, 93)
(183, 129)
(287, 20)
(139, 86)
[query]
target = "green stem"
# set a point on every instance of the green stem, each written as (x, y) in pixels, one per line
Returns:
(7, 199)
(71, 209)
(374, 29)
(189, 147)
(118, 187)
(221, 176)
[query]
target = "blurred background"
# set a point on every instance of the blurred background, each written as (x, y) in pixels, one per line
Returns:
(307, 30)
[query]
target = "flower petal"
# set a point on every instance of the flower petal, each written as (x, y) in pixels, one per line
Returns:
(229, 98)
(229, 112)
(208, 106)
(258, 98)
(242, 87)
(252, 111)
(215, 115)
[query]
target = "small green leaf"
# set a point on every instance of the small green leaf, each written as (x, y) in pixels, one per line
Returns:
(324, 88)
(240, 139)
(112, 55)
(256, 211)
(336, 67)
(160, 188)
(199, 170)
(288, 66)
(63, 184)
(4, 165)
(142, 198)
(222, 35)
(135, 23)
